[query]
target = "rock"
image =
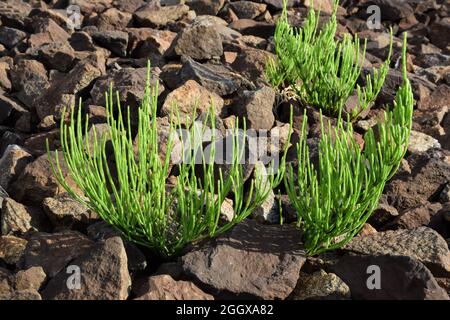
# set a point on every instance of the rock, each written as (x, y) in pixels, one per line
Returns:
(423, 244)
(245, 263)
(247, 9)
(104, 275)
(9, 138)
(267, 212)
(63, 211)
(215, 78)
(10, 110)
(421, 142)
(164, 287)
(382, 215)
(444, 196)
(58, 55)
(36, 144)
(320, 286)
(205, 7)
(128, 82)
(6, 284)
(393, 10)
(37, 182)
(10, 37)
(416, 217)
(46, 31)
(200, 41)
(325, 6)
(257, 107)
(62, 92)
(278, 4)
(29, 77)
(189, 96)
(101, 231)
(29, 294)
(115, 41)
(254, 28)
(129, 6)
(32, 278)
(54, 251)
(19, 219)
(251, 64)
(5, 83)
(14, 13)
(430, 171)
(436, 30)
(82, 41)
(400, 278)
(113, 19)
(13, 162)
(146, 40)
(157, 16)
(11, 249)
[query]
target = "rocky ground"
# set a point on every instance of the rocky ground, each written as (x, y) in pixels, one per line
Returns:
(210, 49)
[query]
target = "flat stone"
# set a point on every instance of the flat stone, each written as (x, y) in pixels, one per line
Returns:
(423, 244)
(251, 260)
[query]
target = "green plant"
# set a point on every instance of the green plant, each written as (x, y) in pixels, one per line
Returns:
(318, 69)
(138, 201)
(335, 199)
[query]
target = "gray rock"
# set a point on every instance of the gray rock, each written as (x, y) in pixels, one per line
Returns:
(215, 78)
(421, 142)
(256, 107)
(400, 278)
(200, 41)
(423, 244)
(54, 251)
(251, 260)
(320, 286)
(104, 275)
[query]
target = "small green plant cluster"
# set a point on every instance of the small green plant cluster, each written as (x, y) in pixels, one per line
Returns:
(320, 70)
(138, 200)
(335, 198)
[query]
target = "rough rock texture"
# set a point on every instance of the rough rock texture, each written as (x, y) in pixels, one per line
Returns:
(19, 219)
(164, 287)
(188, 97)
(321, 286)
(11, 249)
(54, 251)
(256, 107)
(104, 275)
(255, 260)
(400, 278)
(422, 244)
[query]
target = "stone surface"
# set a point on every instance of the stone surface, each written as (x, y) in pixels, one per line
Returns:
(153, 15)
(104, 275)
(19, 219)
(423, 244)
(164, 287)
(13, 162)
(420, 142)
(255, 260)
(200, 41)
(116, 41)
(32, 278)
(247, 9)
(256, 107)
(63, 211)
(321, 286)
(54, 251)
(400, 278)
(37, 182)
(11, 249)
(210, 7)
(188, 97)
